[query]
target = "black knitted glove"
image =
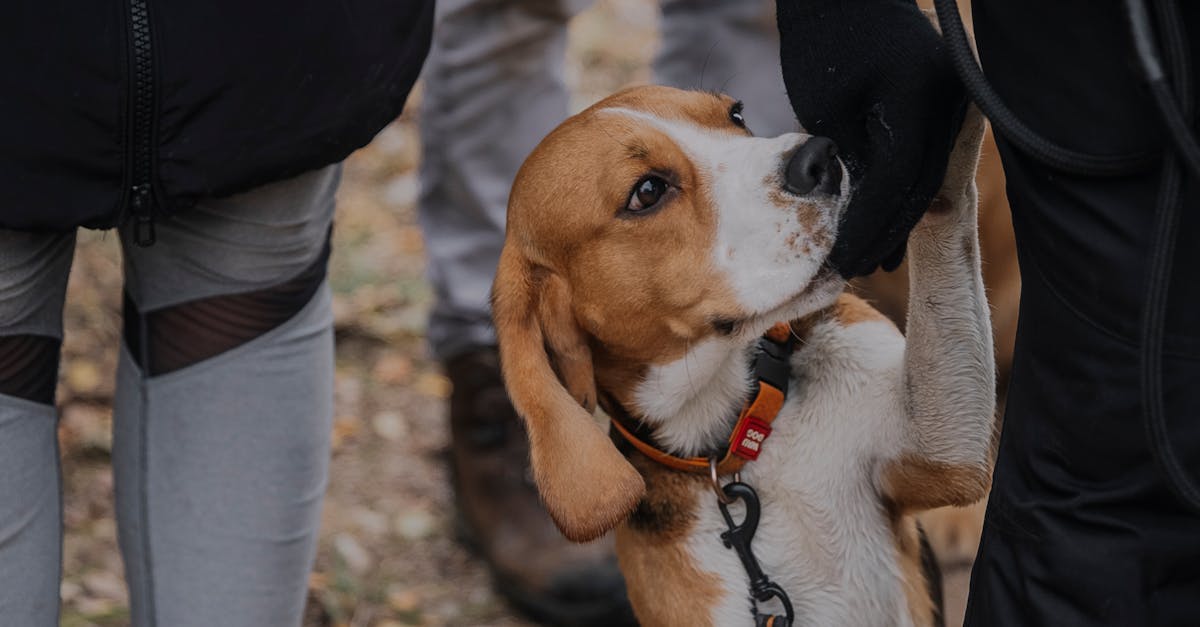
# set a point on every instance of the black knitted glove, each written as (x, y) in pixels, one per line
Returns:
(872, 75)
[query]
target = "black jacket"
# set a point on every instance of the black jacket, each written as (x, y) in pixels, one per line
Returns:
(131, 109)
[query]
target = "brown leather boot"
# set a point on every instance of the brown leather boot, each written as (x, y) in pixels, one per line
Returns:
(502, 519)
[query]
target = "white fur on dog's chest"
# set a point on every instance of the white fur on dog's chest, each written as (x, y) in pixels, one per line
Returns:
(824, 535)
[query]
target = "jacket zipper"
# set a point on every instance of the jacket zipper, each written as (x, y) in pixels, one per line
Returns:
(141, 192)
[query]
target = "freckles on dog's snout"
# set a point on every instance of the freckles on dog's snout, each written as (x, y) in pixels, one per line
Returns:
(813, 166)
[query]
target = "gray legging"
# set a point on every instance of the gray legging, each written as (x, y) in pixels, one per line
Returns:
(220, 464)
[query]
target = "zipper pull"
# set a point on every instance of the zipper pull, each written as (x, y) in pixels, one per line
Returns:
(142, 205)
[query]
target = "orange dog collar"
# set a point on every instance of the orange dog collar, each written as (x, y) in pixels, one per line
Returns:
(772, 369)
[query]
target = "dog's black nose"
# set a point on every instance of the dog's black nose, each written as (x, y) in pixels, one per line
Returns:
(814, 166)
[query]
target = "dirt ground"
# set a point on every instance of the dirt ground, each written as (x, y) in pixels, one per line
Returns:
(387, 552)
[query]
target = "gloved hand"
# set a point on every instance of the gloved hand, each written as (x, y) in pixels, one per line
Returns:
(872, 76)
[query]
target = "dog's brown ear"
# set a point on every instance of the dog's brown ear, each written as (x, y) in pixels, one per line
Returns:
(569, 353)
(588, 487)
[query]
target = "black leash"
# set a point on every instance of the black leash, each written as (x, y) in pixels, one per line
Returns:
(1175, 109)
(1166, 229)
(1010, 126)
(1145, 44)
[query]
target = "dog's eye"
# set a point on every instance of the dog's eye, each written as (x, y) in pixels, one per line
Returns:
(646, 193)
(735, 114)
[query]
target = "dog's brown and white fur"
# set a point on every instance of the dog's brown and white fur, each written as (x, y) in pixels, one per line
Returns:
(659, 312)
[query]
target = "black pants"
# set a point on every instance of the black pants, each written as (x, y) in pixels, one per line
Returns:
(1082, 528)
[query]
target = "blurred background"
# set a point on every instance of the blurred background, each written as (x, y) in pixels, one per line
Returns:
(388, 555)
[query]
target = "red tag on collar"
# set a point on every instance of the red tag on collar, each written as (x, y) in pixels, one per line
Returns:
(749, 437)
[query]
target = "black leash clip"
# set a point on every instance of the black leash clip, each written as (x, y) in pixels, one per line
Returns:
(738, 538)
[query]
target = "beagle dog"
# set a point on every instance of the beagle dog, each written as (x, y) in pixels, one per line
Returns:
(652, 242)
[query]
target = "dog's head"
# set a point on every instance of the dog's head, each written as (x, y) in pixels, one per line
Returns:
(649, 222)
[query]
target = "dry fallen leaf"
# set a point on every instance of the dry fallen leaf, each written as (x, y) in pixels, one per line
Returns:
(402, 599)
(392, 369)
(370, 522)
(344, 428)
(390, 426)
(415, 524)
(433, 384)
(90, 606)
(82, 376)
(84, 427)
(105, 585)
(68, 590)
(352, 553)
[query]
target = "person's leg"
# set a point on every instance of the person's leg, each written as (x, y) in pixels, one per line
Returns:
(33, 284)
(224, 407)
(1081, 525)
(730, 46)
(493, 88)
